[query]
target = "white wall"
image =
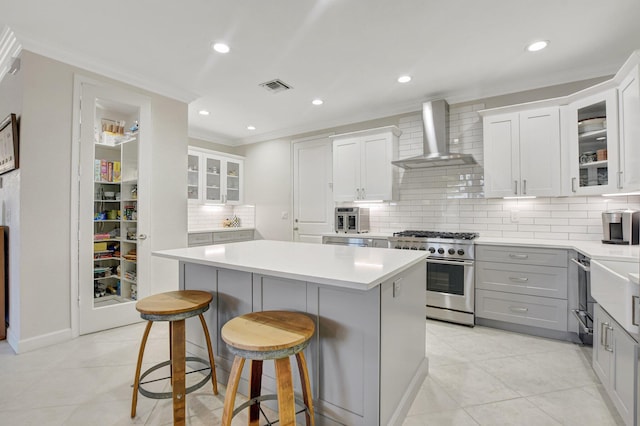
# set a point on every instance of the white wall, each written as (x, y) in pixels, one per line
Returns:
(44, 191)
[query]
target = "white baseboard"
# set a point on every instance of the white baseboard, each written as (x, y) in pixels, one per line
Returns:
(33, 343)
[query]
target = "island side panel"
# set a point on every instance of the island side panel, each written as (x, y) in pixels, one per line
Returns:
(403, 339)
(348, 353)
(201, 277)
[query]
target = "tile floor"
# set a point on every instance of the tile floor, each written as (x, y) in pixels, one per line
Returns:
(477, 376)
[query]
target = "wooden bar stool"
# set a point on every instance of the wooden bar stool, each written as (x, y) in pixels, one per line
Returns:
(275, 335)
(175, 307)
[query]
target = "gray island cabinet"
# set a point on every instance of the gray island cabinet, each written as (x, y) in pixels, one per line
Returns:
(367, 357)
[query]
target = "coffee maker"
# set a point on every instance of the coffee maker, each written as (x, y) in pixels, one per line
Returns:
(621, 227)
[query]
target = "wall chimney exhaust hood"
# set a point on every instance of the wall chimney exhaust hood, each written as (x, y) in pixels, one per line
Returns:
(435, 127)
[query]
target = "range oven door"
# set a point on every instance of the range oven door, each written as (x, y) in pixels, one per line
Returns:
(450, 285)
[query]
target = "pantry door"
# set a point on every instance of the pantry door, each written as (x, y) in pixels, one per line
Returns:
(312, 189)
(113, 206)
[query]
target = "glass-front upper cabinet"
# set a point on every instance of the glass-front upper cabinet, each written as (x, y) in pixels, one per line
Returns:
(593, 144)
(193, 177)
(214, 178)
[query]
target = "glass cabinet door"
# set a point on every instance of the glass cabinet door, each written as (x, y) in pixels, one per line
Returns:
(595, 154)
(233, 182)
(193, 183)
(213, 190)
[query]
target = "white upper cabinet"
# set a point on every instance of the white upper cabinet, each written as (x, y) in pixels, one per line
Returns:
(629, 130)
(362, 169)
(522, 153)
(592, 145)
(214, 178)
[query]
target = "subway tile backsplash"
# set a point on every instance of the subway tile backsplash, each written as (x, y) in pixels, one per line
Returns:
(452, 199)
(206, 217)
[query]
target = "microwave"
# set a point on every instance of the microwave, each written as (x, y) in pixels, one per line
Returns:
(351, 220)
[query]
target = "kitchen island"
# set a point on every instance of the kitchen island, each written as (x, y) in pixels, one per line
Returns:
(367, 357)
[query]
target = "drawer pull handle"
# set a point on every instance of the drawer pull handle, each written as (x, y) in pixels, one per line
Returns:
(519, 310)
(518, 256)
(519, 279)
(635, 308)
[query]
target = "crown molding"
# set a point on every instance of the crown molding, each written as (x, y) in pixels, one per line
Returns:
(143, 82)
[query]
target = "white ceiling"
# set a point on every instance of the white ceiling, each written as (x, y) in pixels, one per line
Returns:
(347, 52)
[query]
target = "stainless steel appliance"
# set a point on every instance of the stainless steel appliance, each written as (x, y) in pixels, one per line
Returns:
(356, 241)
(450, 272)
(621, 226)
(585, 311)
(351, 220)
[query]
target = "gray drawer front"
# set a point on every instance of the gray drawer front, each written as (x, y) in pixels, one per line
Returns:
(545, 281)
(522, 255)
(199, 239)
(533, 311)
(232, 236)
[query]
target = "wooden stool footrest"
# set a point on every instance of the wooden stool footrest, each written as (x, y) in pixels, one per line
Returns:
(268, 397)
(167, 395)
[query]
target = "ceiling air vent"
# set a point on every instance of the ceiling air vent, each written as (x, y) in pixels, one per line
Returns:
(275, 86)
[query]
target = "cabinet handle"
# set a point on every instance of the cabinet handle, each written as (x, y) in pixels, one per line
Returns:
(364, 195)
(608, 346)
(635, 307)
(620, 180)
(357, 193)
(518, 256)
(603, 340)
(524, 187)
(573, 184)
(519, 310)
(515, 189)
(519, 279)
(142, 236)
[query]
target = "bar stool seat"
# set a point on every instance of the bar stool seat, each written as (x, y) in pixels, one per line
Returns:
(259, 336)
(174, 307)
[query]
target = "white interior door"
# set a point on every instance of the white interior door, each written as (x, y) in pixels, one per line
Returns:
(312, 192)
(113, 208)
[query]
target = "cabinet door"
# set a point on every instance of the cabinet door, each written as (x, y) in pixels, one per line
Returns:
(213, 183)
(193, 177)
(629, 103)
(501, 156)
(233, 181)
(593, 144)
(624, 373)
(346, 169)
(376, 168)
(540, 152)
(602, 349)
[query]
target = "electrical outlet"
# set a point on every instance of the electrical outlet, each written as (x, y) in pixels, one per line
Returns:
(284, 215)
(515, 216)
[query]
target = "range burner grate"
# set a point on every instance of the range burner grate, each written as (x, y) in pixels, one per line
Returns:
(437, 234)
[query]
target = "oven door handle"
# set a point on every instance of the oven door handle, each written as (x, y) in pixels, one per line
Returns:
(581, 265)
(450, 262)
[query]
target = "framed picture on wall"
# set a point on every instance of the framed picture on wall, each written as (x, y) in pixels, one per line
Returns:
(9, 144)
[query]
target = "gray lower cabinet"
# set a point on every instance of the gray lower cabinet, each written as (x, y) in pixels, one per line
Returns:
(363, 357)
(526, 286)
(615, 362)
(207, 238)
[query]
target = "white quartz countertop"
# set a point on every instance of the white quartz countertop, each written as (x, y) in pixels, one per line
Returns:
(240, 228)
(359, 268)
(592, 249)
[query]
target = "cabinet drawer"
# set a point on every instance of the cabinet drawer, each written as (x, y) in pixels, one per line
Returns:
(232, 236)
(522, 255)
(199, 239)
(545, 281)
(521, 309)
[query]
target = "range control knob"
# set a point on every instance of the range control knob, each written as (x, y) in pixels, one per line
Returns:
(461, 252)
(452, 251)
(422, 248)
(398, 247)
(432, 250)
(441, 250)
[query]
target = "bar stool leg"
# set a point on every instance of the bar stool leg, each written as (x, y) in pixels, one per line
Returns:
(286, 403)
(232, 388)
(136, 381)
(212, 362)
(306, 388)
(178, 368)
(255, 374)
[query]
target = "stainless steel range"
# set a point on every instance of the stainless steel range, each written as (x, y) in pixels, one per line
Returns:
(450, 285)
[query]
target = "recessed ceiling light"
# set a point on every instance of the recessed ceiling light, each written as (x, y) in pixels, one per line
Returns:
(404, 79)
(221, 48)
(203, 112)
(251, 127)
(317, 101)
(537, 45)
